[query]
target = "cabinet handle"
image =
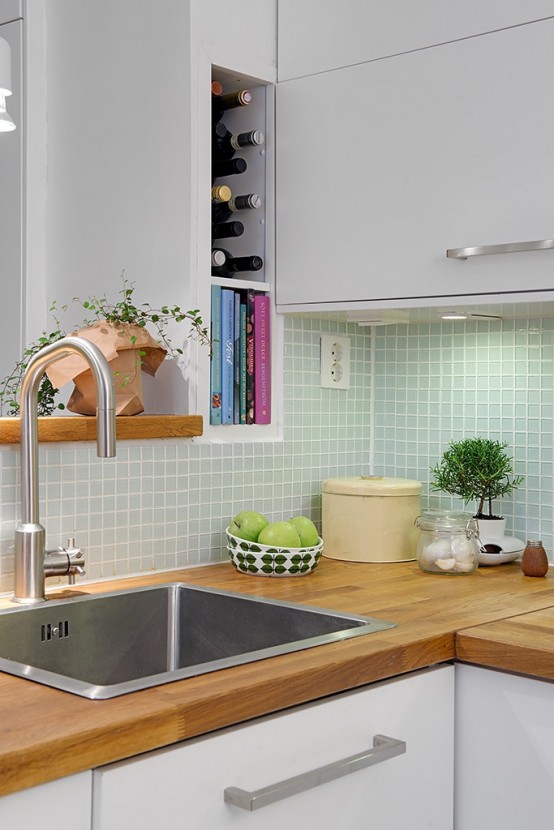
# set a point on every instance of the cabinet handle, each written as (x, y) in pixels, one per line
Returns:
(382, 749)
(507, 248)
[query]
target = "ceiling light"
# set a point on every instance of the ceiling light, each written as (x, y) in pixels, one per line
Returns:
(6, 122)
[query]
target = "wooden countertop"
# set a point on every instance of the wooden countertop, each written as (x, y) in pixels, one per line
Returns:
(46, 734)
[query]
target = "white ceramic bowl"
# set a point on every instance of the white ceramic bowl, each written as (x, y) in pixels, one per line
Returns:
(268, 560)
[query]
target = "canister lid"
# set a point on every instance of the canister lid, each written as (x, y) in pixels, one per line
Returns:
(372, 486)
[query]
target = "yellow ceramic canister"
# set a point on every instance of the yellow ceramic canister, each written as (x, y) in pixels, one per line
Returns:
(370, 518)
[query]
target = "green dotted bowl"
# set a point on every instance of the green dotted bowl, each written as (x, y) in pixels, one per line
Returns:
(266, 560)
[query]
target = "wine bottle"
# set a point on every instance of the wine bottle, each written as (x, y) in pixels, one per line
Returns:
(223, 210)
(221, 194)
(224, 146)
(218, 258)
(228, 167)
(226, 230)
(236, 264)
(221, 103)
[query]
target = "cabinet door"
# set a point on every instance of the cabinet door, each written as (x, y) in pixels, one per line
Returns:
(64, 805)
(11, 207)
(318, 35)
(504, 751)
(381, 167)
(183, 786)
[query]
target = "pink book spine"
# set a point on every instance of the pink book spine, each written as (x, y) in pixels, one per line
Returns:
(262, 360)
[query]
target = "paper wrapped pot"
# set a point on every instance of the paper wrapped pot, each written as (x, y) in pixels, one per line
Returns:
(128, 348)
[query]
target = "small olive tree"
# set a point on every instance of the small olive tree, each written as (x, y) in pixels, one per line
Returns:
(477, 469)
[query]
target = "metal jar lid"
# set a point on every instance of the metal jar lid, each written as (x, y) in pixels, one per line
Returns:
(372, 486)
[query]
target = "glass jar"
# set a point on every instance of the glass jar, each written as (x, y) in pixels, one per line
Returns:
(448, 542)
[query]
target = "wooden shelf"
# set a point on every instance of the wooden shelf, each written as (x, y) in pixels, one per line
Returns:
(83, 428)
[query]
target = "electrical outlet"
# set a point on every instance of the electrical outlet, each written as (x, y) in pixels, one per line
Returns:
(335, 361)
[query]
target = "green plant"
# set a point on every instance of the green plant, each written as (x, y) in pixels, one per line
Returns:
(477, 469)
(119, 313)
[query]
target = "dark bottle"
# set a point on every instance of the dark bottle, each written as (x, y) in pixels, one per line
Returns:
(225, 146)
(228, 167)
(218, 257)
(534, 561)
(237, 264)
(221, 103)
(226, 230)
(221, 194)
(225, 209)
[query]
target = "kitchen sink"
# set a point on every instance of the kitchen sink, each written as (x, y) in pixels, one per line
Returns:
(105, 645)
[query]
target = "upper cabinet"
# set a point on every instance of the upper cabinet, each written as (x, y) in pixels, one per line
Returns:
(319, 35)
(383, 166)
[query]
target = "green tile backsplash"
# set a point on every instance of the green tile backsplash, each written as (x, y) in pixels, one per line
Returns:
(446, 381)
(164, 504)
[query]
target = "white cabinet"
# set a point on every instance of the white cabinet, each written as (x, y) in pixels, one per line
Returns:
(504, 751)
(11, 203)
(184, 785)
(318, 35)
(60, 805)
(383, 166)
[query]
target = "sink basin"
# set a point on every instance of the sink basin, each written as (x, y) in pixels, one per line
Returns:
(104, 645)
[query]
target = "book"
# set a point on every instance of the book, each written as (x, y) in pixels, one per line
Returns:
(215, 362)
(227, 349)
(250, 356)
(262, 360)
(236, 354)
(242, 364)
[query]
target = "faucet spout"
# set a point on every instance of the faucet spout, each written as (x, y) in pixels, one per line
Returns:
(30, 549)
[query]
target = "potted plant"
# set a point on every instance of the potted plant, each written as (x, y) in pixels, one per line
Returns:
(121, 330)
(479, 470)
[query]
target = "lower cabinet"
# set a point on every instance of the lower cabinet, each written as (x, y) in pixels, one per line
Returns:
(272, 764)
(64, 804)
(504, 751)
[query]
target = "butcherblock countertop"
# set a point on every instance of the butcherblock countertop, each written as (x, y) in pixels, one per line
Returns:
(495, 617)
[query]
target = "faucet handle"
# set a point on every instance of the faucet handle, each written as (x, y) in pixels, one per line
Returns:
(75, 560)
(66, 561)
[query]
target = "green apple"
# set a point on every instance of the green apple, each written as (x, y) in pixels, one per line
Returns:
(309, 537)
(280, 535)
(247, 525)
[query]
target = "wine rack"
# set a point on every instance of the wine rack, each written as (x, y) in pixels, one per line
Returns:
(241, 372)
(253, 180)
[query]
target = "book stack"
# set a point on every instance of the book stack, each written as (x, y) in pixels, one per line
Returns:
(240, 371)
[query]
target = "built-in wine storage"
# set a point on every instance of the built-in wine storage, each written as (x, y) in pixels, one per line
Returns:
(241, 262)
(239, 120)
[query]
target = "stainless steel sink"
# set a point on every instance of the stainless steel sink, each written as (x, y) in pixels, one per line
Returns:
(104, 645)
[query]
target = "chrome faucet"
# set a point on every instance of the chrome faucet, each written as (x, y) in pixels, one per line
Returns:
(33, 563)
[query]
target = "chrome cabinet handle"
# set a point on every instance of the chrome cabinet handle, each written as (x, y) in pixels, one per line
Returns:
(507, 248)
(383, 748)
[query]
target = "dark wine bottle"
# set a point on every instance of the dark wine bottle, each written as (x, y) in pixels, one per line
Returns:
(228, 167)
(237, 264)
(225, 146)
(223, 210)
(222, 103)
(221, 194)
(218, 258)
(226, 230)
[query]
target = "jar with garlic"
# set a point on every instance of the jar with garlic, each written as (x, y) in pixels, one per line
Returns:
(448, 542)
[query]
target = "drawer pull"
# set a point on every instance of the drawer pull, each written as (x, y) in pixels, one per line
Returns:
(507, 248)
(383, 748)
